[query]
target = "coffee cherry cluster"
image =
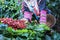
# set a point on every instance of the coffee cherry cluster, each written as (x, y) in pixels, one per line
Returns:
(16, 24)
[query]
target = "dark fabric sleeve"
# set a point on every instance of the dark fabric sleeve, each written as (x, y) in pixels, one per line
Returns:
(24, 7)
(42, 6)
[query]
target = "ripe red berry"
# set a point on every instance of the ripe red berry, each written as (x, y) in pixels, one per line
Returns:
(13, 23)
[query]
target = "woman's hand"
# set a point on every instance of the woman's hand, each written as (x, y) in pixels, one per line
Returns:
(25, 20)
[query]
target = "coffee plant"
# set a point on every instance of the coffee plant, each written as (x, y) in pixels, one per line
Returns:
(12, 28)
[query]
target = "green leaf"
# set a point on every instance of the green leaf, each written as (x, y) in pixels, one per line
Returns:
(25, 34)
(9, 29)
(48, 37)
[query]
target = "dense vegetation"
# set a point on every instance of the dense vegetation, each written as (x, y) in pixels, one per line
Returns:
(12, 9)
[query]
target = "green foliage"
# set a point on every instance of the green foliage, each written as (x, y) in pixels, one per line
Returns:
(3, 26)
(36, 33)
(10, 9)
(54, 6)
(54, 36)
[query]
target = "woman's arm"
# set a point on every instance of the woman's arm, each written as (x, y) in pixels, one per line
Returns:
(24, 7)
(43, 12)
(26, 12)
(42, 4)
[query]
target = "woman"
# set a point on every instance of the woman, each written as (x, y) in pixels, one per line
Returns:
(38, 9)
